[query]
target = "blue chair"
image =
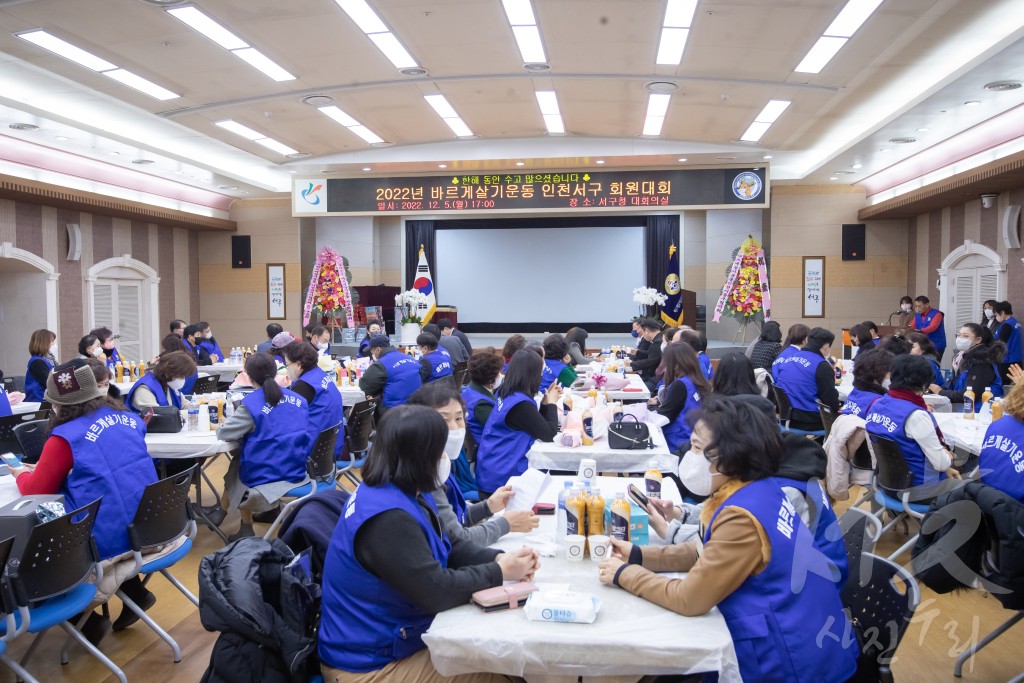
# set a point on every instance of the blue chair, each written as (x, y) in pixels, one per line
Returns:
(893, 488)
(786, 413)
(9, 608)
(358, 429)
(51, 584)
(321, 470)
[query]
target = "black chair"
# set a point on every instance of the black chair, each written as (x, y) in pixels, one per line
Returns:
(893, 487)
(460, 374)
(470, 446)
(828, 416)
(31, 436)
(320, 466)
(358, 430)
(786, 414)
(8, 608)
(881, 609)
(205, 385)
(854, 525)
(8, 441)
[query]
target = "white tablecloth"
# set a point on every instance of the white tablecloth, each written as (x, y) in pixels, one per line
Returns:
(25, 407)
(939, 404)
(966, 435)
(351, 395)
(631, 636)
(187, 445)
(550, 456)
(8, 489)
(227, 370)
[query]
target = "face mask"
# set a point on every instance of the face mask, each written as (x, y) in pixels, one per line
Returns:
(962, 344)
(453, 446)
(886, 383)
(905, 308)
(444, 469)
(989, 313)
(53, 349)
(176, 384)
(97, 352)
(664, 345)
(497, 382)
(322, 347)
(209, 335)
(634, 334)
(695, 473)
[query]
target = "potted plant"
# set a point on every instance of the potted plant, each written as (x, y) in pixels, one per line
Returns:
(647, 299)
(408, 303)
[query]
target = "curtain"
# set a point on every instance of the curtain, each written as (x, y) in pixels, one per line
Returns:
(417, 233)
(659, 233)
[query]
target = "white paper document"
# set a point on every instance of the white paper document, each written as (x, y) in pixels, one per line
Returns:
(527, 487)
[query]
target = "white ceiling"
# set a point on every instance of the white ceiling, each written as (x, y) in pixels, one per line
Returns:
(912, 65)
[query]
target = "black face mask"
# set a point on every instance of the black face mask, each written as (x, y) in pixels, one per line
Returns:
(108, 352)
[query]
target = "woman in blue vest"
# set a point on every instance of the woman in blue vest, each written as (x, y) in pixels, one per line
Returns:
(978, 366)
(860, 337)
(89, 347)
(484, 378)
(373, 328)
(755, 551)
(272, 428)
(921, 345)
(902, 416)
(42, 349)
(392, 377)
(390, 568)
(1001, 462)
(108, 340)
(870, 381)
(512, 344)
(163, 384)
(205, 339)
(556, 363)
(807, 377)
(515, 423)
(1009, 332)
(320, 391)
(435, 363)
(95, 450)
(9, 399)
(796, 337)
(685, 388)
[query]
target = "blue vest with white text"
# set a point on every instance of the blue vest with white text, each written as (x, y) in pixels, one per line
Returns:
(502, 451)
(110, 461)
(796, 376)
(938, 337)
(552, 369)
(440, 364)
(939, 379)
(888, 418)
(5, 403)
(780, 360)
(34, 391)
(455, 498)
(679, 430)
(960, 383)
(278, 446)
(705, 365)
(365, 623)
(776, 617)
(472, 397)
(150, 381)
(403, 377)
(1015, 344)
(1001, 462)
(828, 538)
(326, 409)
(858, 402)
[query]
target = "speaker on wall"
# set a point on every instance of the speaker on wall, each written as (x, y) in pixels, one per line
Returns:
(1011, 217)
(853, 241)
(74, 241)
(241, 251)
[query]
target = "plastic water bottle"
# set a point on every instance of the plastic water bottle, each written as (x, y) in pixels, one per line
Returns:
(563, 495)
(193, 415)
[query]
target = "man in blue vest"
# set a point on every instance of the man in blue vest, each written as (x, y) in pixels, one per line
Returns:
(931, 322)
(392, 377)
(1008, 332)
(436, 363)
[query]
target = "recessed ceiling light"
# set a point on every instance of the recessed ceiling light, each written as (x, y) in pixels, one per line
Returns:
(681, 159)
(62, 138)
(114, 154)
(902, 141)
(141, 84)
(525, 30)
(143, 162)
(661, 86)
(263, 63)
(853, 15)
(971, 103)
(599, 161)
(767, 156)
(414, 71)
(999, 86)
(856, 165)
(239, 129)
(366, 168)
(299, 155)
(820, 54)
(922, 130)
(537, 67)
(227, 187)
(442, 165)
(657, 107)
(203, 24)
(318, 100)
(726, 158)
(23, 126)
(274, 145)
(834, 178)
(520, 163)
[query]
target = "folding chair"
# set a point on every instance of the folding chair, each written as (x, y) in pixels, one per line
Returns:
(828, 416)
(860, 530)
(358, 429)
(460, 374)
(31, 436)
(8, 441)
(205, 385)
(786, 414)
(321, 469)
(8, 609)
(893, 490)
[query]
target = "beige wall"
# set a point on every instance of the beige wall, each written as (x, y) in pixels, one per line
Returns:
(807, 221)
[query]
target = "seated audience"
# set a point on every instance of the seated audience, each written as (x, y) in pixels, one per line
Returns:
(447, 328)
(484, 378)
(647, 360)
(277, 345)
(108, 340)
(163, 384)
(860, 337)
(748, 557)
(870, 381)
(896, 344)
(326, 408)
(685, 388)
(796, 337)
(271, 426)
(978, 366)
(89, 347)
(699, 343)
(576, 339)
(806, 377)
(766, 349)
(1000, 458)
(556, 363)
(390, 567)
(516, 422)
(320, 339)
(1009, 333)
(903, 416)
(921, 345)
(512, 344)
(735, 376)
(42, 350)
(206, 340)
(373, 328)
(392, 377)
(872, 330)
(192, 340)
(450, 344)
(435, 363)
(177, 327)
(273, 329)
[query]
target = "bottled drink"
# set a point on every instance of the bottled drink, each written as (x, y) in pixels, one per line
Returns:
(142, 369)
(969, 404)
(193, 415)
(652, 480)
(997, 409)
(560, 521)
(616, 411)
(619, 524)
(575, 512)
(595, 513)
(567, 401)
(588, 428)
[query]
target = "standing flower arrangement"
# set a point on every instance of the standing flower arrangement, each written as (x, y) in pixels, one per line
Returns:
(647, 298)
(329, 290)
(746, 295)
(408, 302)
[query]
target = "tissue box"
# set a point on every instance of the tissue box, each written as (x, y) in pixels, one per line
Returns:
(564, 606)
(639, 522)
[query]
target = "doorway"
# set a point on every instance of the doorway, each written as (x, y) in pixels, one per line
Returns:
(969, 275)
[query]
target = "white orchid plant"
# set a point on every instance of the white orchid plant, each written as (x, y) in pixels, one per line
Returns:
(647, 298)
(409, 302)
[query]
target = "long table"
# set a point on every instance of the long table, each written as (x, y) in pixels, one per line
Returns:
(939, 404)
(551, 456)
(966, 435)
(631, 636)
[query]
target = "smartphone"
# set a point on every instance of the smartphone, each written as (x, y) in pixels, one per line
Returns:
(638, 496)
(544, 509)
(11, 460)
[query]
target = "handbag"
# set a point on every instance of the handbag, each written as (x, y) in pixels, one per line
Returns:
(503, 597)
(634, 435)
(163, 420)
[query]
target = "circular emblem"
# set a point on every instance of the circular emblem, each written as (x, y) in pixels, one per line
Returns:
(423, 285)
(545, 614)
(747, 186)
(575, 550)
(672, 284)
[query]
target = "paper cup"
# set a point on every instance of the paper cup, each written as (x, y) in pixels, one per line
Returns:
(574, 547)
(600, 547)
(588, 469)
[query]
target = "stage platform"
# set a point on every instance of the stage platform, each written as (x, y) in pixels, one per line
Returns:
(716, 348)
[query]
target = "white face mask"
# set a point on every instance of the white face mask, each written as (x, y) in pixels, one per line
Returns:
(886, 382)
(176, 384)
(444, 469)
(989, 313)
(497, 382)
(695, 473)
(209, 335)
(322, 347)
(962, 344)
(53, 349)
(664, 345)
(98, 352)
(905, 308)
(453, 446)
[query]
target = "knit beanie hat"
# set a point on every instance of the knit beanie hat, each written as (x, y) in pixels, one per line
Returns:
(282, 340)
(72, 383)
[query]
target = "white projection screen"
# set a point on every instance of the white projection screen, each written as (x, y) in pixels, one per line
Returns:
(527, 275)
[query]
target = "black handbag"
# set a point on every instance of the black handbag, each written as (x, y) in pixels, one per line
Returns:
(163, 420)
(629, 436)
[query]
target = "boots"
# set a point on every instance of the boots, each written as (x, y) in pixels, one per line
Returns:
(138, 594)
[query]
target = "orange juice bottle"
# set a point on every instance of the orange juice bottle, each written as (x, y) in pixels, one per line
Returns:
(652, 480)
(575, 512)
(595, 513)
(119, 372)
(619, 524)
(997, 409)
(969, 404)
(135, 371)
(337, 374)
(986, 396)
(616, 411)
(593, 394)
(588, 428)
(142, 369)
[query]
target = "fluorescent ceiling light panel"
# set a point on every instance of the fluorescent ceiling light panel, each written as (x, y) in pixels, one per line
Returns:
(554, 124)
(363, 16)
(66, 50)
(657, 104)
(820, 55)
(441, 106)
(653, 124)
(852, 17)
(548, 102)
(772, 111)
(272, 144)
(339, 116)
(393, 50)
(459, 127)
(202, 23)
(755, 131)
(261, 62)
(141, 84)
(671, 46)
(239, 129)
(530, 46)
(366, 134)
(679, 13)
(519, 12)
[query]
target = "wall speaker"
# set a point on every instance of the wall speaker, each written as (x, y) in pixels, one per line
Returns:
(853, 241)
(74, 241)
(1011, 218)
(241, 251)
